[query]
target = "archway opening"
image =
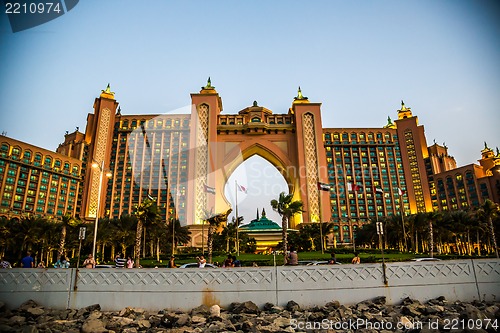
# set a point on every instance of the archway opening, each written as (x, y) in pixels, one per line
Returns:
(262, 182)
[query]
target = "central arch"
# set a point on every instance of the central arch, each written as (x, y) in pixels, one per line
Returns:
(271, 153)
(291, 142)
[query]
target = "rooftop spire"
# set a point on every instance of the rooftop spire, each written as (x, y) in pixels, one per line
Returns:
(208, 89)
(263, 212)
(404, 112)
(403, 107)
(107, 93)
(257, 214)
(390, 124)
(300, 98)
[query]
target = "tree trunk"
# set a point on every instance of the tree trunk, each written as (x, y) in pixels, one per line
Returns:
(210, 241)
(138, 237)
(492, 233)
(431, 240)
(144, 242)
(284, 226)
(62, 243)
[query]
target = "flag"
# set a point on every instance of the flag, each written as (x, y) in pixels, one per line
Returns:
(378, 189)
(354, 187)
(241, 188)
(401, 192)
(209, 189)
(323, 186)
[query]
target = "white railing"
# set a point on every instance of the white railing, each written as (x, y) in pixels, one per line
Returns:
(183, 289)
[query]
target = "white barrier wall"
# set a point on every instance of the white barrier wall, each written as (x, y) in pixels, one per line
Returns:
(183, 289)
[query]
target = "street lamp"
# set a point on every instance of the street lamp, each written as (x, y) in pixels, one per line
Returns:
(100, 167)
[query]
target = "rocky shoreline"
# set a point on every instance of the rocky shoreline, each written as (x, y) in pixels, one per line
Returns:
(436, 315)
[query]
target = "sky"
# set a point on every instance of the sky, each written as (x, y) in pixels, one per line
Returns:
(358, 58)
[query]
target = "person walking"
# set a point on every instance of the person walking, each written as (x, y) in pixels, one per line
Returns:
(171, 263)
(201, 261)
(130, 262)
(356, 259)
(28, 261)
(5, 264)
(293, 257)
(333, 259)
(89, 262)
(119, 261)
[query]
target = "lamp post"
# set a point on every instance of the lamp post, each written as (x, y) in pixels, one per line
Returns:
(96, 165)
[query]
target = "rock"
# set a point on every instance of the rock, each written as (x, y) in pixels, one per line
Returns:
(282, 322)
(143, 323)
(292, 306)
(361, 307)
(471, 312)
(35, 311)
(203, 310)
(30, 329)
(28, 304)
(405, 323)
(122, 321)
(17, 320)
(245, 307)
(183, 320)
(379, 300)
(198, 320)
(93, 326)
(125, 312)
(93, 307)
(492, 312)
(215, 311)
(6, 328)
(410, 311)
(130, 330)
(246, 317)
(2, 306)
(95, 315)
(408, 301)
(268, 306)
(332, 305)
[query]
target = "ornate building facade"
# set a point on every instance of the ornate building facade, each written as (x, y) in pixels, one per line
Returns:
(344, 175)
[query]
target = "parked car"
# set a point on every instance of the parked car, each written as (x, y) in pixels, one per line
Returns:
(195, 265)
(426, 259)
(317, 263)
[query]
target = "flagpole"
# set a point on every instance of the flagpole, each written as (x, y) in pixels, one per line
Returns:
(237, 220)
(321, 221)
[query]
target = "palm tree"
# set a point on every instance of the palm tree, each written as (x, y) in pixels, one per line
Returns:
(488, 211)
(432, 217)
(287, 209)
(213, 223)
(66, 221)
(146, 213)
(181, 235)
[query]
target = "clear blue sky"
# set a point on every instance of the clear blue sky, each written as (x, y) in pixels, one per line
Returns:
(359, 58)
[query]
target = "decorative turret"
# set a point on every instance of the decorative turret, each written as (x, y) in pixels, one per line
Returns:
(390, 124)
(107, 93)
(487, 152)
(300, 98)
(208, 89)
(404, 112)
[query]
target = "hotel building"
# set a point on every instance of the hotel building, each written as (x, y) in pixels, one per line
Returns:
(174, 158)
